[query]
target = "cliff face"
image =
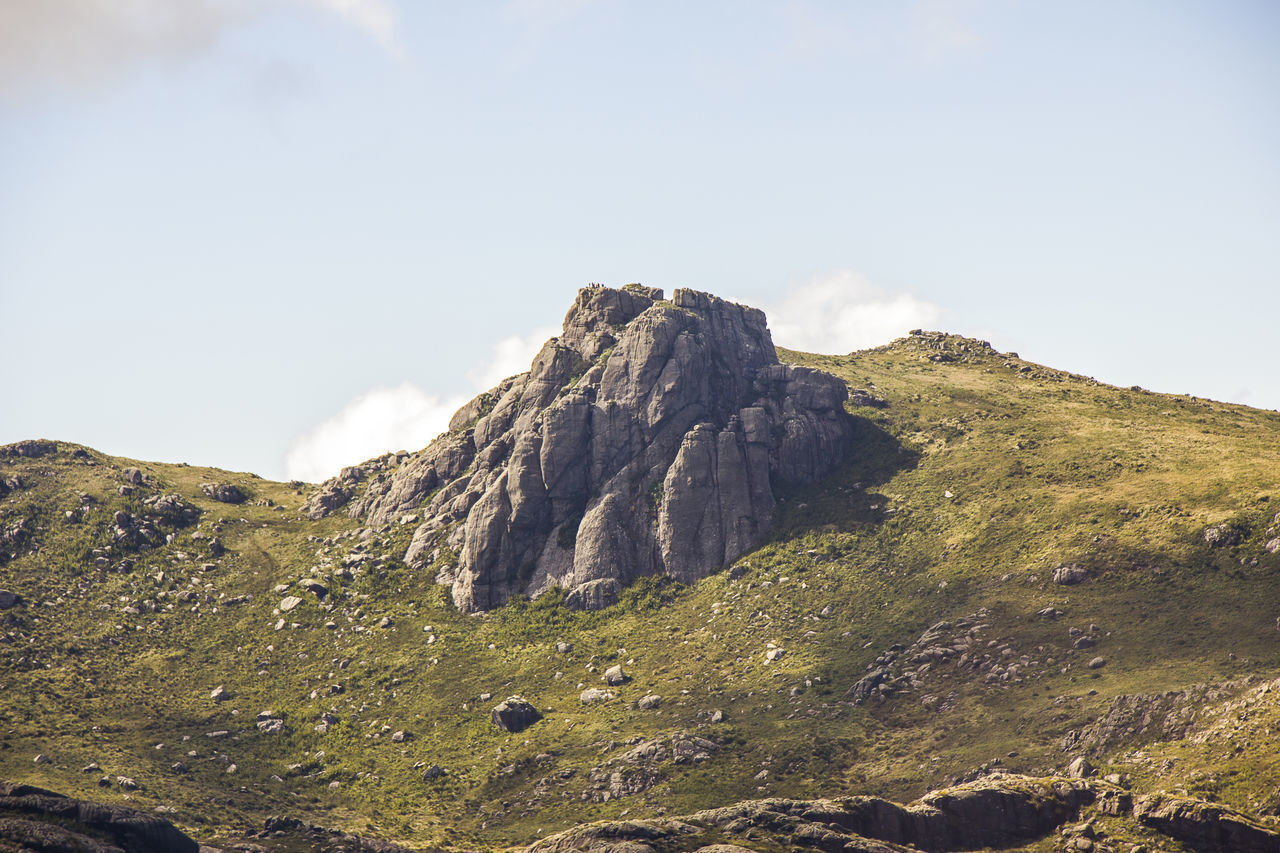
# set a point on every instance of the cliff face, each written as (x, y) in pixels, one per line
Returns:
(644, 440)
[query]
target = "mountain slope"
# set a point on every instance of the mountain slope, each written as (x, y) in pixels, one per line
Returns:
(923, 638)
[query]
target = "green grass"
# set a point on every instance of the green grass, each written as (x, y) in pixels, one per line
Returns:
(1044, 469)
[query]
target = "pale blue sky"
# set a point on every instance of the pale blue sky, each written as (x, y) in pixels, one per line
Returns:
(224, 223)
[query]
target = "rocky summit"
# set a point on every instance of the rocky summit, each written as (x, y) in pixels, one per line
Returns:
(646, 439)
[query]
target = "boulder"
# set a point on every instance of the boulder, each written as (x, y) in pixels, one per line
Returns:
(1080, 768)
(9, 599)
(514, 714)
(646, 440)
(594, 695)
(613, 676)
(224, 492)
(1070, 575)
(132, 476)
(289, 602)
(30, 449)
(1222, 535)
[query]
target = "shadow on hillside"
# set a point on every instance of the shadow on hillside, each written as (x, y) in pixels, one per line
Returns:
(847, 497)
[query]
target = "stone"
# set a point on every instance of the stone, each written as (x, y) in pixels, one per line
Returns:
(594, 695)
(29, 449)
(1080, 768)
(1222, 535)
(220, 694)
(9, 599)
(514, 714)
(564, 648)
(271, 726)
(434, 771)
(42, 759)
(314, 586)
(133, 476)
(649, 702)
(1273, 545)
(774, 654)
(717, 716)
(398, 737)
(1097, 663)
(289, 602)
(224, 492)
(646, 440)
(614, 676)
(1070, 575)
(594, 595)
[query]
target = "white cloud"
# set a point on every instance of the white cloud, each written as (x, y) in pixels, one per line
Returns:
(401, 418)
(374, 17)
(84, 42)
(509, 356)
(843, 311)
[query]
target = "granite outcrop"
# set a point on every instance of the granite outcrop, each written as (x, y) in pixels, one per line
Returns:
(646, 439)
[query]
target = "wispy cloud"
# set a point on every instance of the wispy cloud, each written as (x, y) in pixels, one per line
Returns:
(509, 356)
(842, 311)
(78, 43)
(375, 17)
(405, 417)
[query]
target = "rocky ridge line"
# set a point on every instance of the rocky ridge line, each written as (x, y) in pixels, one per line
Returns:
(645, 440)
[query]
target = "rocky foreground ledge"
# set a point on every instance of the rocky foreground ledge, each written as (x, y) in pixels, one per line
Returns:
(646, 439)
(1000, 811)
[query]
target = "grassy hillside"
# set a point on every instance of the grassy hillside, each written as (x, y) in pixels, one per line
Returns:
(980, 478)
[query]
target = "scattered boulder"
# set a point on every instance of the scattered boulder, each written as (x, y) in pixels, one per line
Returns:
(1080, 768)
(594, 695)
(9, 599)
(563, 648)
(224, 492)
(649, 702)
(614, 676)
(289, 602)
(1222, 535)
(514, 714)
(313, 586)
(594, 595)
(1070, 575)
(1097, 663)
(133, 476)
(220, 694)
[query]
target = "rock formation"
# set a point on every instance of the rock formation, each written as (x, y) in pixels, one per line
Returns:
(645, 440)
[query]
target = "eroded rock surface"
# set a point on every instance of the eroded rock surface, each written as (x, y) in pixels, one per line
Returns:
(35, 819)
(645, 440)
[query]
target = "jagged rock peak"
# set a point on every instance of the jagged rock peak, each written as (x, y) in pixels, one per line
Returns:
(646, 439)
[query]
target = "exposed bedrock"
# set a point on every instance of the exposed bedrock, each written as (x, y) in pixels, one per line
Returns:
(646, 439)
